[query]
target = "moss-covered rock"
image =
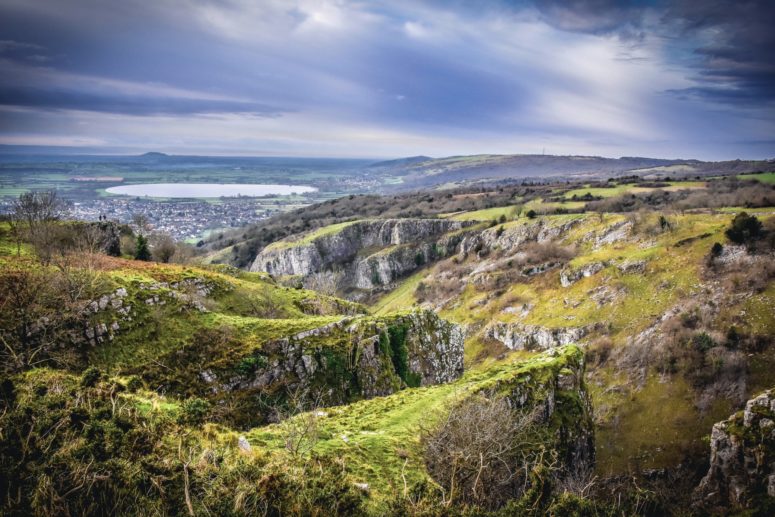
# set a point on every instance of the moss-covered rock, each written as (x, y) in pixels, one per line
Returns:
(742, 459)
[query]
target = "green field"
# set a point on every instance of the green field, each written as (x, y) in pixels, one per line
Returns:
(767, 177)
(631, 189)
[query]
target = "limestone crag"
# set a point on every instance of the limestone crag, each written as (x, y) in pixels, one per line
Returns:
(742, 458)
(616, 232)
(371, 252)
(570, 276)
(353, 358)
(516, 336)
(511, 237)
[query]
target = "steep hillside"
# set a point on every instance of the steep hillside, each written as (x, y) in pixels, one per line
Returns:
(365, 254)
(512, 359)
(638, 290)
(144, 452)
(230, 393)
(237, 339)
(678, 331)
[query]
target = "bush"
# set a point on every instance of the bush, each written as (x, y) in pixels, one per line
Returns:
(193, 411)
(479, 453)
(531, 214)
(90, 376)
(745, 229)
(134, 384)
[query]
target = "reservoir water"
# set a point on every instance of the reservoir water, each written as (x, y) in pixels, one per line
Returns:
(200, 190)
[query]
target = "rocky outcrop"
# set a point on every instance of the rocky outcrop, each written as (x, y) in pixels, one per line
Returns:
(630, 267)
(554, 386)
(516, 336)
(352, 358)
(570, 276)
(511, 237)
(742, 458)
(614, 233)
(398, 247)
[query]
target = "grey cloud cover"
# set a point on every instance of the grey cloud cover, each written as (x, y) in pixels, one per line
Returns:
(391, 78)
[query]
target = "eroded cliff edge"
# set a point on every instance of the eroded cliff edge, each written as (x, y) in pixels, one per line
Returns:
(742, 459)
(369, 253)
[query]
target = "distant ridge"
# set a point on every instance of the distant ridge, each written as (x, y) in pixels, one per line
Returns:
(400, 162)
(428, 172)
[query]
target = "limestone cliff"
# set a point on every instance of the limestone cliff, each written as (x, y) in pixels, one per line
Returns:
(555, 385)
(511, 236)
(516, 336)
(742, 458)
(371, 252)
(351, 358)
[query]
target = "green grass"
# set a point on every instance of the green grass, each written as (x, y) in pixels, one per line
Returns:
(767, 177)
(377, 440)
(655, 427)
(488, 214)
(308, 238)
(618, 190)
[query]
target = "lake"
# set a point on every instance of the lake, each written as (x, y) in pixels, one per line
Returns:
(208, 190)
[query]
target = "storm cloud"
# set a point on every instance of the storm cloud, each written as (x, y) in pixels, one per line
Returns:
(334, 77)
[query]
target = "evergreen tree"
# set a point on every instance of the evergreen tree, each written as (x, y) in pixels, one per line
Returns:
(141, 249)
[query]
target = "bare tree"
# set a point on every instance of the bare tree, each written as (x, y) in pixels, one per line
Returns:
(34, 208)
(141, 222)
(299, 421)
(163, 246)
(482, 453)
(36, 215)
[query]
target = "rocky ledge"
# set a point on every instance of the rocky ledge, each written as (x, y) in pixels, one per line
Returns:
(553, 384)
(371, 253)
(352, 358)
(516, 336)
(742, 459)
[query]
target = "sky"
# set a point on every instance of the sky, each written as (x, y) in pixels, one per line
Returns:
(341, 78)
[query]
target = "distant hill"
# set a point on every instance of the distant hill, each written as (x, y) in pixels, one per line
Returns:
(400, 162)
(463, 169)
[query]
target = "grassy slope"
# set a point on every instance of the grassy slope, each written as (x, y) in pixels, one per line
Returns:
(672, 271)
(307, 238)
(377, 440)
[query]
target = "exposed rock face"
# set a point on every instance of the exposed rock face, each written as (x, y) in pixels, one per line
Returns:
(400, 246)
(354, 358)
(632, 267)
(564, 404)
(616, 232)
(570, 276)
(512, 237)
(516, 336)
(742, 458)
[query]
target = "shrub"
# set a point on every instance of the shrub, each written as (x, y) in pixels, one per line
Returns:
(745, 229)
(193, 411)
(90, 376)
(479, 454)
(703, 342)
(531, 214)
(134, 384)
